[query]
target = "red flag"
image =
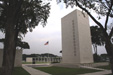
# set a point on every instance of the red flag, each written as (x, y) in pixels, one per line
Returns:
(46, 43)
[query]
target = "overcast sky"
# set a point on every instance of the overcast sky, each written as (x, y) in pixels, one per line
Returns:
(51, 32)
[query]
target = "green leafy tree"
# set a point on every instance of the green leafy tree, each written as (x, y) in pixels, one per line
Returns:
(48, 55)
(96, 37)
(22, 44)
(104, 57)
(96, 58)
(16, 18)
(102, 8)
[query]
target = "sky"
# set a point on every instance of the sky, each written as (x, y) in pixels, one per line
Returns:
(51, 32)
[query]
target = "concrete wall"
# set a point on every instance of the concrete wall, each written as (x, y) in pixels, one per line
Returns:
(68, 51)
(76, 39)
(85, 48)
(18, 58)
(29, 59)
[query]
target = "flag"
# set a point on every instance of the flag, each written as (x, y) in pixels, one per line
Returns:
(46, 43)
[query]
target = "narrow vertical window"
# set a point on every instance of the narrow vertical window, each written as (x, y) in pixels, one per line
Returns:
(74, 40)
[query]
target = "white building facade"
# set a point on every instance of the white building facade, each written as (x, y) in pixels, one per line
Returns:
(76, 39)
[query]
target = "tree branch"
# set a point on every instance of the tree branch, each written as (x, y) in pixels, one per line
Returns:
(111, 33)
(108, 15)
(1, 6)
(98, 23)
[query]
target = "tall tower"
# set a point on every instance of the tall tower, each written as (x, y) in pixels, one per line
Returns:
(76, 39)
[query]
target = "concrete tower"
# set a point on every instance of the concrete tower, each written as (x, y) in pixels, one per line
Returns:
(76, 39)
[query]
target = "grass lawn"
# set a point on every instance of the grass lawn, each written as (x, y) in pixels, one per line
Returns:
(65, 71)
(108, 74)
(20, 71)
(105, 67)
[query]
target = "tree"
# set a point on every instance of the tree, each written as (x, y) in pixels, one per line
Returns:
(96, 58)
(60, 51)
(104, 57)
(16, 17)
(20, 43)
(102, 8)
(96, 37)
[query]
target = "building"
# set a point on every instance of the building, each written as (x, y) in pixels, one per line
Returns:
(76, 39)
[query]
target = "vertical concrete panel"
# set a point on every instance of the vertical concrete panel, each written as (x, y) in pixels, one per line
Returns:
(70, 55)
(76, 40)
(18, 58)
(86, 55)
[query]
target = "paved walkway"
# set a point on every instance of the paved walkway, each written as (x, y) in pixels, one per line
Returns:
(98, 73)
(92, 68)
(33, 71)
(103, 72)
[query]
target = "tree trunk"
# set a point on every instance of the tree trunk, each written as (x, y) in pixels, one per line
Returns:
(96, 49)
(9, 48)
(111, 64)
(109, 49)
(11, 35)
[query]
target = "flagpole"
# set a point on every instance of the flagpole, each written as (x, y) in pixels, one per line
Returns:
(48, 52)
(47, 43)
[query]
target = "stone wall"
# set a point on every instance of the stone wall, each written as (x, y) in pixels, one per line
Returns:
(18, 58)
